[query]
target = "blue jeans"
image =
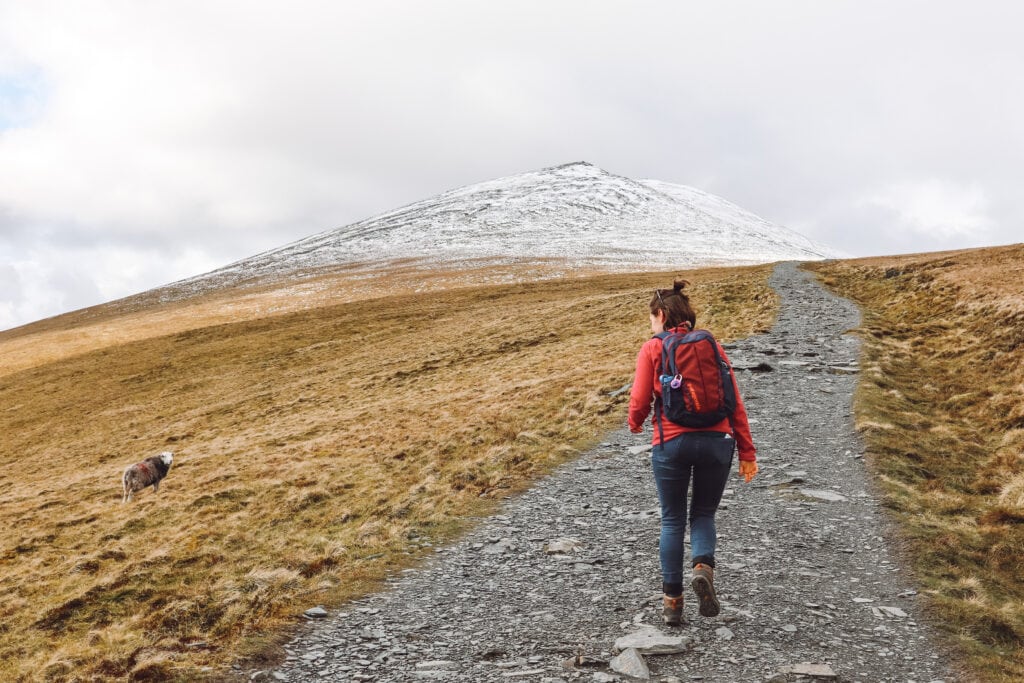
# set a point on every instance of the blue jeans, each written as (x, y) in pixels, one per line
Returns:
(704, 457)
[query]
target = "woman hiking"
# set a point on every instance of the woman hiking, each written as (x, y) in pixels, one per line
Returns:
(681, 454)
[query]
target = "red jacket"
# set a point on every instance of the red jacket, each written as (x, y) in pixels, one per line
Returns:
(646, 389)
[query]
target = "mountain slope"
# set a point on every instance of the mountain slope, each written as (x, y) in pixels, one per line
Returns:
(573, 220)
(577, 213)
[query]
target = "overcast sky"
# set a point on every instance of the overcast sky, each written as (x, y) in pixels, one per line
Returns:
(143, 142)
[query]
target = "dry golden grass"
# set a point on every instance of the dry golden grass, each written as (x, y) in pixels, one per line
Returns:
(315, 451)
(941, 406)
(147, 315)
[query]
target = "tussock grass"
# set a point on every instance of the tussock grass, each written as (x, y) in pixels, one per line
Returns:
(941, 406)
(315, 451)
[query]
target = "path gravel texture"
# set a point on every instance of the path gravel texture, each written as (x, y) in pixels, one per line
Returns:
(546, 590)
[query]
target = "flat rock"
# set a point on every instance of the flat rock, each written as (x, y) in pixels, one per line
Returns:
(563, 546)
(814, 670)
(820, 494)
(435, 665)
(651, 641)
(499, 547)
(522, 674)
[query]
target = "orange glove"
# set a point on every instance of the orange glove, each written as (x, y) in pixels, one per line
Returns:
(748, 468)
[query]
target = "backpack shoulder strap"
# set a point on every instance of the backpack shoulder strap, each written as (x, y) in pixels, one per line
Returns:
(659, 412)
(668, 360)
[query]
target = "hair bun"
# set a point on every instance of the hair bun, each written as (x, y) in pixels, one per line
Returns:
(679, 285)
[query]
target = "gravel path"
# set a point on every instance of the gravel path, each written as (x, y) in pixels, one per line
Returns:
(809, 587)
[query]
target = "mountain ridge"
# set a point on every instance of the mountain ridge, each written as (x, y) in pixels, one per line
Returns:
(577, 212)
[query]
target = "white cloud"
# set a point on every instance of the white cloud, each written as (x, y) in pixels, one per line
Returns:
(223, 129)
(39, 284)
(935, 208)
(41, 289)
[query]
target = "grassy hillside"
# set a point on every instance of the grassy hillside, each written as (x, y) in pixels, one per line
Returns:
(941, 407)
(176, 308)
(315, 450)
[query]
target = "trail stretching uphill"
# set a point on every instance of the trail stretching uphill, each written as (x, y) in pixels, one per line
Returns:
(542, 592)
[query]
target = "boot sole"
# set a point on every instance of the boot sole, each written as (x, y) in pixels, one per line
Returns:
(709, 606)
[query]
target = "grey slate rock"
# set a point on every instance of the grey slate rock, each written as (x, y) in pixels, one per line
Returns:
(651, 641)
(561, 546)
(435, 665)
(631, 663)
(818, 494)
(822, 671)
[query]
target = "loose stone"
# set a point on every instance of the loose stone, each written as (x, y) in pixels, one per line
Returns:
(814, 670)
(563, 546)
(818, 494)
(631, 663)
(651, 641)
(434, 665)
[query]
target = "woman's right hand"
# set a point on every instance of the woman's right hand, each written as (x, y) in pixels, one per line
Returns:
(748, 468)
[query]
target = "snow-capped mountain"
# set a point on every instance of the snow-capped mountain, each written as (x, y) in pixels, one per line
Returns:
(576, 213)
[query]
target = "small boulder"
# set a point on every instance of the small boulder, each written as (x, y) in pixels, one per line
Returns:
(631, 663)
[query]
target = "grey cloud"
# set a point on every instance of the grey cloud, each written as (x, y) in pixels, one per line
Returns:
(800, 112)
(74, 287)
(10, 285)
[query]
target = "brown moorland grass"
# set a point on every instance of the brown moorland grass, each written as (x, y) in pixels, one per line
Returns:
(315, 451)
(159, 312)
(941, 408)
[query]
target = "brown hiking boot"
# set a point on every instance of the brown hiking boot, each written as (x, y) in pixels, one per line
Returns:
(704, 586)
(672, 612)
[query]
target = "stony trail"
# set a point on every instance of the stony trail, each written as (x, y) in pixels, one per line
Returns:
(809, 586)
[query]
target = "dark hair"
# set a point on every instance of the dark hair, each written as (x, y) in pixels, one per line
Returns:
(675, 304)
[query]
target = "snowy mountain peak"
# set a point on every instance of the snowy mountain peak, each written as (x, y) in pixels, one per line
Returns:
(577, 213)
